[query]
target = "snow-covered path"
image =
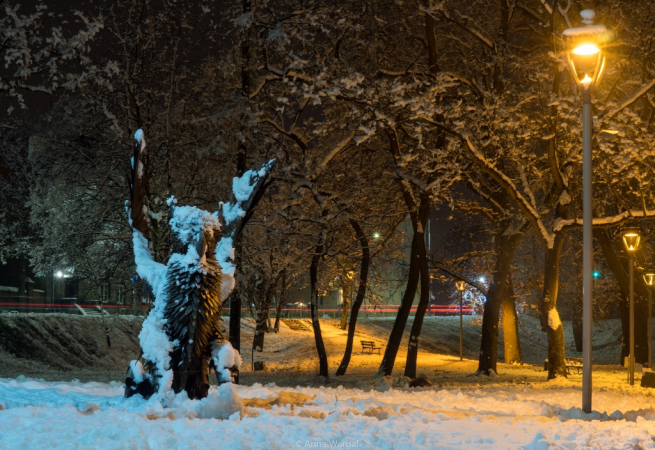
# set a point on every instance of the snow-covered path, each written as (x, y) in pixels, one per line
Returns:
(38, 414)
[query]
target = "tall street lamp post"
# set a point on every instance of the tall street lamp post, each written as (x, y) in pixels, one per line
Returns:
(649, 279)
(631, 240)
(586, 61)
(461, 285)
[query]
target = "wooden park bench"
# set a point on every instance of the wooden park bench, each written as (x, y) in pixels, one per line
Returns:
(571, 363)
(369, 346)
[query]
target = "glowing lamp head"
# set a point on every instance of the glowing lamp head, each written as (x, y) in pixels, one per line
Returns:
(59, 274)
(583, 50)
(649, 277)
(586, 50)
(460, 285)
(631, 238)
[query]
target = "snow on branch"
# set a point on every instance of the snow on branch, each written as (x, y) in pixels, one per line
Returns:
(412, 179)
(547, 7)
(465, 23)
(137, 212)
(335, 151)
(470, 83)
(509, 186)
(604, 222)
(459, 276)
(630, 100)
(246, 191)
(503, 180)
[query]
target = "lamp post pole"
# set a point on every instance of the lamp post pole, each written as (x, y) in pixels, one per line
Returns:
(631, 240)
(461, 285)
(587, 252)
(461, 324)
(52, 297)
(587, 62)
(649, 279)
(650, 327)
(631, 363)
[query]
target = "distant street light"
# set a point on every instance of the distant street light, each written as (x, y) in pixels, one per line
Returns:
(586, 61)
(649, 278)
(58, 274)
(461, 285)
(631, 240)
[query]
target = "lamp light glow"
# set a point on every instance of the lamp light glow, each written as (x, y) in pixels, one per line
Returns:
(631, 239)
(460, 285)
(585, 50)
(649, 277)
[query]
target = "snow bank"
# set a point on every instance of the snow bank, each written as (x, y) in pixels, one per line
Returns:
(95, 415)
(225, 357)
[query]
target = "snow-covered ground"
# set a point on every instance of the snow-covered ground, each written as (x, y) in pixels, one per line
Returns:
(288, 407)
(39, 414)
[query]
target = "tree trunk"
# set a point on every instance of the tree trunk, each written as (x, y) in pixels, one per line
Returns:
(261, 328)
(318, 337)
(234, 334)
(278, 311)
(346, 303)
(424, 299)
(621, 274)
(511, 328)
(280, 301)
(361, 294)
(235, 303)
(418, 240)
(500, 289)
(550, 320)
(576, 325)
(389, 358)
(22, 278)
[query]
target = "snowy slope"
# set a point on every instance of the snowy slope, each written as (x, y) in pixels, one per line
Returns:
(65, 347)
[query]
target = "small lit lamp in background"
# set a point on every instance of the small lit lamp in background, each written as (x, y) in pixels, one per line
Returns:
(461, 285)
(631, 240)
(587, 62)
(649, 279)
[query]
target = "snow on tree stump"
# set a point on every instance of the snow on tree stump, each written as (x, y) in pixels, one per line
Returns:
(648, 379)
